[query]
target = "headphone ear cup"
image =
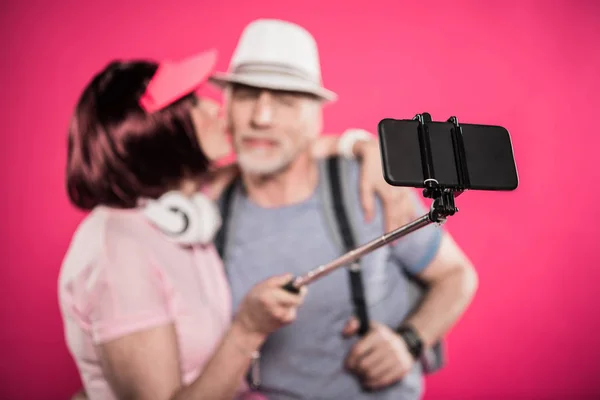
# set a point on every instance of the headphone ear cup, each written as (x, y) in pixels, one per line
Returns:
(184, 220)
(209, 220)
(171, 213)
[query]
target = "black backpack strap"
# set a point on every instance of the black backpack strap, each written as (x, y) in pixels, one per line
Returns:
(349, 242)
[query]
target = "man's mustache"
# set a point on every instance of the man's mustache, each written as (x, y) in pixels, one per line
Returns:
(275, 140)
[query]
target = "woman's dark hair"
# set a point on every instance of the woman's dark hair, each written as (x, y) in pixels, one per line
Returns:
(117, 152)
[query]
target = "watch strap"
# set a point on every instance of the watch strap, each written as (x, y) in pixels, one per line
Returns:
(412, 340)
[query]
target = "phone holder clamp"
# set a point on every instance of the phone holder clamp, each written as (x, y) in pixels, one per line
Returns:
(443, 198)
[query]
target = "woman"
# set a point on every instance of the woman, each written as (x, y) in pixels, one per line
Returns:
(143, 294)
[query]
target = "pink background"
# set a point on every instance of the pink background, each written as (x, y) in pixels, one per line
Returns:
(531, 333)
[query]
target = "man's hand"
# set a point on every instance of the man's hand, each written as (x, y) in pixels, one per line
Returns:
(381, 358)
(397, 202)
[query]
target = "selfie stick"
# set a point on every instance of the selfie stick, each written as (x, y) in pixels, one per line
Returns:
(442, 207)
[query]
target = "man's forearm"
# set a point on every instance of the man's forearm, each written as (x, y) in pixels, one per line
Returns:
(444, 303)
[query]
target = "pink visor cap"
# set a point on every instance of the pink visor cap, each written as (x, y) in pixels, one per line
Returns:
(176, 79)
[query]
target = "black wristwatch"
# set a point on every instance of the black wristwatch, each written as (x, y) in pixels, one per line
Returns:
(412, 340)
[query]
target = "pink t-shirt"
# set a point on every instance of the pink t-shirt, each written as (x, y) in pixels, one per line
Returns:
(121, 275)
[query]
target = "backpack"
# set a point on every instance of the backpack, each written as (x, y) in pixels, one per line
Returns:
(334, 207)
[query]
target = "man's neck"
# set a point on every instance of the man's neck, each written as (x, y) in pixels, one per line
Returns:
(290, 186)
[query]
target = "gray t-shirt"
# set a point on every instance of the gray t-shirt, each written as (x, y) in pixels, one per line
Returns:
(306, 358)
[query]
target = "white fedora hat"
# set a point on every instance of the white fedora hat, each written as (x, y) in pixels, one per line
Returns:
(277, 55)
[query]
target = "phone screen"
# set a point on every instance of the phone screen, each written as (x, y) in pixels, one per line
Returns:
(488, 149)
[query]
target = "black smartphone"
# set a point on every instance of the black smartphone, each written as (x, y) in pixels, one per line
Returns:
(488, 152)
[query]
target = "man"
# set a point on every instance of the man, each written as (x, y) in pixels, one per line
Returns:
(274, 101)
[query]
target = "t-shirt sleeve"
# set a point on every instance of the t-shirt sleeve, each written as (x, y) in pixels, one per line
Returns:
(417, 250)
(128, 292)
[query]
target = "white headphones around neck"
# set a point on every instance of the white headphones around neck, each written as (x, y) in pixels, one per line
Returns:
(184, 220)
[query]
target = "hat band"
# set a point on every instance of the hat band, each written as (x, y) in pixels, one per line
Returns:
(274, 68)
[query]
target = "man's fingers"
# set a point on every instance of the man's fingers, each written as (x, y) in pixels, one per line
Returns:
(375, 364)
(351, 327)
(360, 350)
(390, 377)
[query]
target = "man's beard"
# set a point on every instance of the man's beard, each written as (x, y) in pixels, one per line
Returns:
(251, 162)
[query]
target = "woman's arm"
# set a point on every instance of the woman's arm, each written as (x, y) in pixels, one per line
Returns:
(145, 365)
(226, 370)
